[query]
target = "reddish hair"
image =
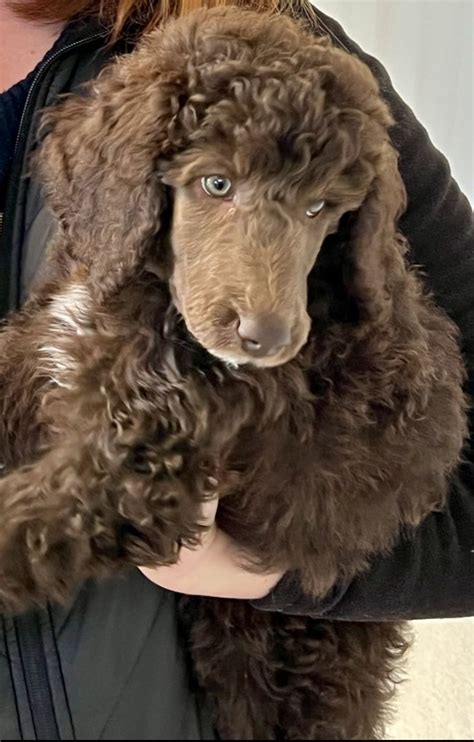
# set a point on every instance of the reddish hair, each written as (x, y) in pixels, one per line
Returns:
(148, 13)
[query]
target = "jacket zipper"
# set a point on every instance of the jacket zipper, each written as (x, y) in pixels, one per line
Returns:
(59, 53)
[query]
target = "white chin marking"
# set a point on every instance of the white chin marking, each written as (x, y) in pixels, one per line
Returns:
(229, 360)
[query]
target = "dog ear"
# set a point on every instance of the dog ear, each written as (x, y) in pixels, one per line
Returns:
(377, 249)
(99, 165)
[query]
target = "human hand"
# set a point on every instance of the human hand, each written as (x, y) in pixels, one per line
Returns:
(214, 568)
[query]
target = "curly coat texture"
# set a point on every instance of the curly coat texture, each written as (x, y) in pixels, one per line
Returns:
(126, 400)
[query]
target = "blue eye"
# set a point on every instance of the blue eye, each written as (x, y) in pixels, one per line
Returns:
(216, 186)
(315, 209)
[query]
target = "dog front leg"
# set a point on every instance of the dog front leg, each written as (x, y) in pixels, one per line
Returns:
(81, 511)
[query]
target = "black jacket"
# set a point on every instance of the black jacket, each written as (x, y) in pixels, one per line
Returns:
(112, 665)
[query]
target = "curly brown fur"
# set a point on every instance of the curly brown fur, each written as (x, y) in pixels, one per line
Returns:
(127, 397)
(294, 677)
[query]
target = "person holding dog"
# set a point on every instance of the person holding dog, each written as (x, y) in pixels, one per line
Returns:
(113, 665)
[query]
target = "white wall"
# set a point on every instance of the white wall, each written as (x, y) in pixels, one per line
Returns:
(436, 701)
(427, 48)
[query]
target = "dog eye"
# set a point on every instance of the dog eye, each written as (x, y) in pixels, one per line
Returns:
(216, 186)
(315, 209)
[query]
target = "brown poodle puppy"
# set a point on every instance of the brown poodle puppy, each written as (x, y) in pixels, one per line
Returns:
(170, 352)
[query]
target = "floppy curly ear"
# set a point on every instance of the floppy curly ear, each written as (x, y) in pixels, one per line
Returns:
(377, 248)
(98, 163)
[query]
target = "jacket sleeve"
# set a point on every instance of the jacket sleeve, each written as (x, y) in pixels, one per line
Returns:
(430, 573)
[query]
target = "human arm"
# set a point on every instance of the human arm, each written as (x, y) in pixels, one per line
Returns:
(213, 568)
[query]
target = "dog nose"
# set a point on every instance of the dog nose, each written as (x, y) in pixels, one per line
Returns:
(263, 334)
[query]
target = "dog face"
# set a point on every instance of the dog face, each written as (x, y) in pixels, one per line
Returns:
(243, 244)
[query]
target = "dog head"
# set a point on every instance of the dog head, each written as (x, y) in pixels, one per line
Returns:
(220, 155)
